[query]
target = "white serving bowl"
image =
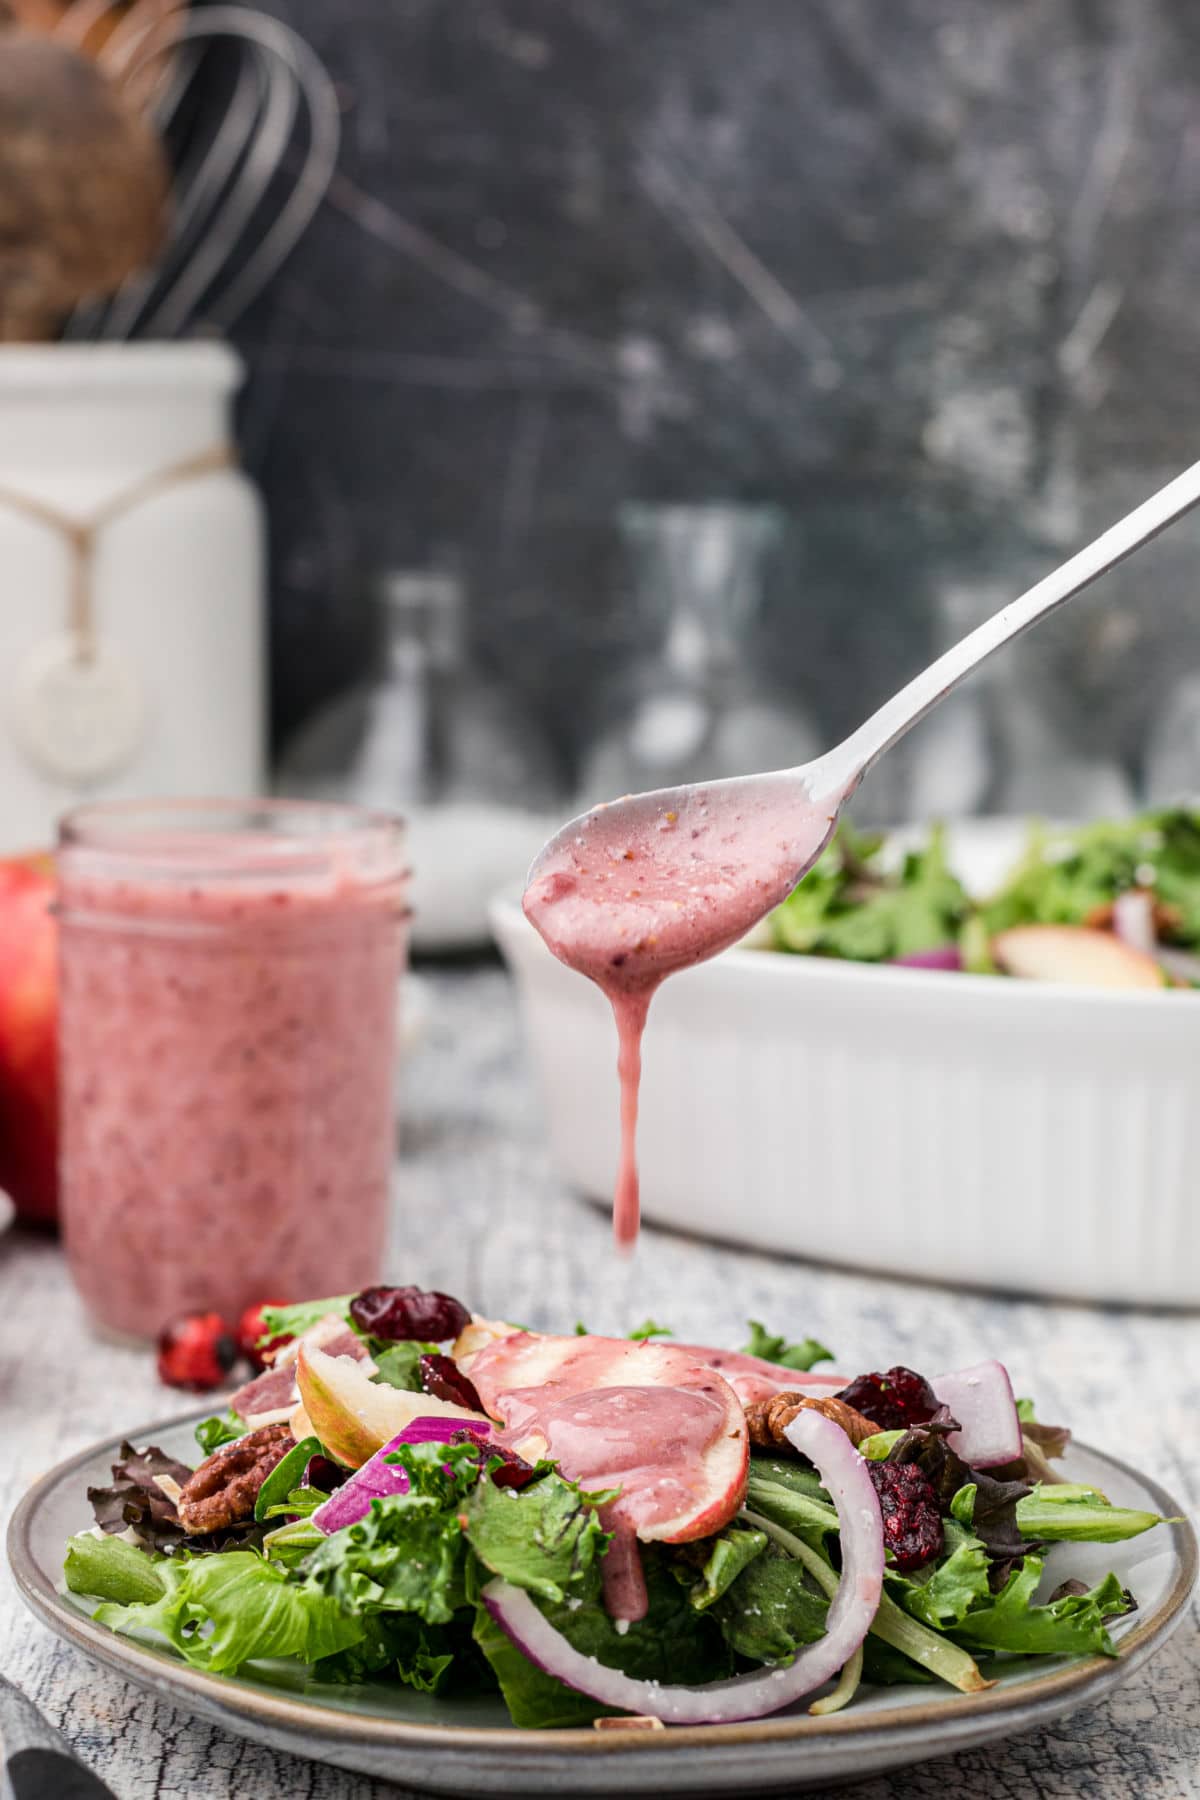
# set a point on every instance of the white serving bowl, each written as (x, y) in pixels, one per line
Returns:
(961, 1128)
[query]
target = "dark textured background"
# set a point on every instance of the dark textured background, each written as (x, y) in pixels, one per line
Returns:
(922, 272)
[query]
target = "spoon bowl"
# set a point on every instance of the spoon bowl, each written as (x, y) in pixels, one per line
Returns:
(633, 891)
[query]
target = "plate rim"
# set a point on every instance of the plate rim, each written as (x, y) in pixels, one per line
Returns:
(1090, 1677)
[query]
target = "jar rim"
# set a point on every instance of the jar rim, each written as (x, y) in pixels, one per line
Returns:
(239, 841)
(151, 368)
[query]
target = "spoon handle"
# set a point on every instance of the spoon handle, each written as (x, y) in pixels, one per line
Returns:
(844, 767)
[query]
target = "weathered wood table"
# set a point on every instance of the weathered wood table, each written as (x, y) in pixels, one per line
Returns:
(480, 1214)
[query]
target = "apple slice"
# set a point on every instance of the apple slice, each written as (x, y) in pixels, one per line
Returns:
(648, 1419)
(749, 1376)
(475, 1335)
(1075, 954)
(354, 1416)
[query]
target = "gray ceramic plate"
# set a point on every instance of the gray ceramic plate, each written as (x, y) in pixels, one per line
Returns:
(469, 1746)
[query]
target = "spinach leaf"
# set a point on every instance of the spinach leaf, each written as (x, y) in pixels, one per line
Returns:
(671, 1644)
(771, 1609)
(212, 1433)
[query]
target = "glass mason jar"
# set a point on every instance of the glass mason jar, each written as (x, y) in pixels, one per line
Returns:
(229, 977)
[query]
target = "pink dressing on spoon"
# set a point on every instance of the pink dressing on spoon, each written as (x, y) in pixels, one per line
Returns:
(637, 891)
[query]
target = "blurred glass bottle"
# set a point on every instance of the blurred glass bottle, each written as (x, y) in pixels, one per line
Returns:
(694, 709)
(1009, 742)
(429, 736)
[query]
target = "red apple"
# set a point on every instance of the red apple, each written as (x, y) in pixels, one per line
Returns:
(28, 1037)
(621, 1408)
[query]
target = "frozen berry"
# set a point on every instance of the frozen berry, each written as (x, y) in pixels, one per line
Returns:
(196, 1352)
(441, 1377)
(252, 1338)
(912, 1525)
(400, 1314)
(893, 1401)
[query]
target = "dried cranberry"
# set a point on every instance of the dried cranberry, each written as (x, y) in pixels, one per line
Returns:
(513, 1472)
(321, 1473)
(441, 1377)
(893, 1401)
(251, 1333)
(398, 1314)
(912, 1525)
(196, 1352)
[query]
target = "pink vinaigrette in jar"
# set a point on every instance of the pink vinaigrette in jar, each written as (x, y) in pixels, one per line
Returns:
(229, 979)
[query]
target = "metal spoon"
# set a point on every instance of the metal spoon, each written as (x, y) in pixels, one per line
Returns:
(831, 779)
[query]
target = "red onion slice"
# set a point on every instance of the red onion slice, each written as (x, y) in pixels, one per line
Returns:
(944, 956)
(844, 1476)
(378, 1478)
(981, 1399)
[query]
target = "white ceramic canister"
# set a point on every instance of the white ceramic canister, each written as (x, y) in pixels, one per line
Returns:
(131, 581)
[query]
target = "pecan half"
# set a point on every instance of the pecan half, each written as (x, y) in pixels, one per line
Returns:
(222, 1491)
(766, 1419)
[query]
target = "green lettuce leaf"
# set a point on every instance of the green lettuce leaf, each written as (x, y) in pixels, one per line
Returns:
(1078, 1515)
(290, 1321)
(943, 1594)
(222, 1611)
(1072, 1625)
(293, 1543)
(398, 1365)
(429, 1658)
(777, 1349)
(648, 1329)
(848, 905)
(112, 1569)
(408, 1554)
(545, 1537)
(791, 1496)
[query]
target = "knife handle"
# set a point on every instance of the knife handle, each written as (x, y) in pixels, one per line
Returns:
(35, 1761)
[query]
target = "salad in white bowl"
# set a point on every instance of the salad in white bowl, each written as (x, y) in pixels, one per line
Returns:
(1112, 904)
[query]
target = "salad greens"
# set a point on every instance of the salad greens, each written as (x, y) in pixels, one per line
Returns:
(848, 906)
(777, 1349)
(399, 1594)
(1067, 878)
(854, 904)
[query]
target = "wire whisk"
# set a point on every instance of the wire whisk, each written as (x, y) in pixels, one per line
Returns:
(251, 116)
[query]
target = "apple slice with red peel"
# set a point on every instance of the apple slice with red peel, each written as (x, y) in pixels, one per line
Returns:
(648, 1419)
(1074, 954)
(479, 1332)
(752, 1378)
(354, 1416)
